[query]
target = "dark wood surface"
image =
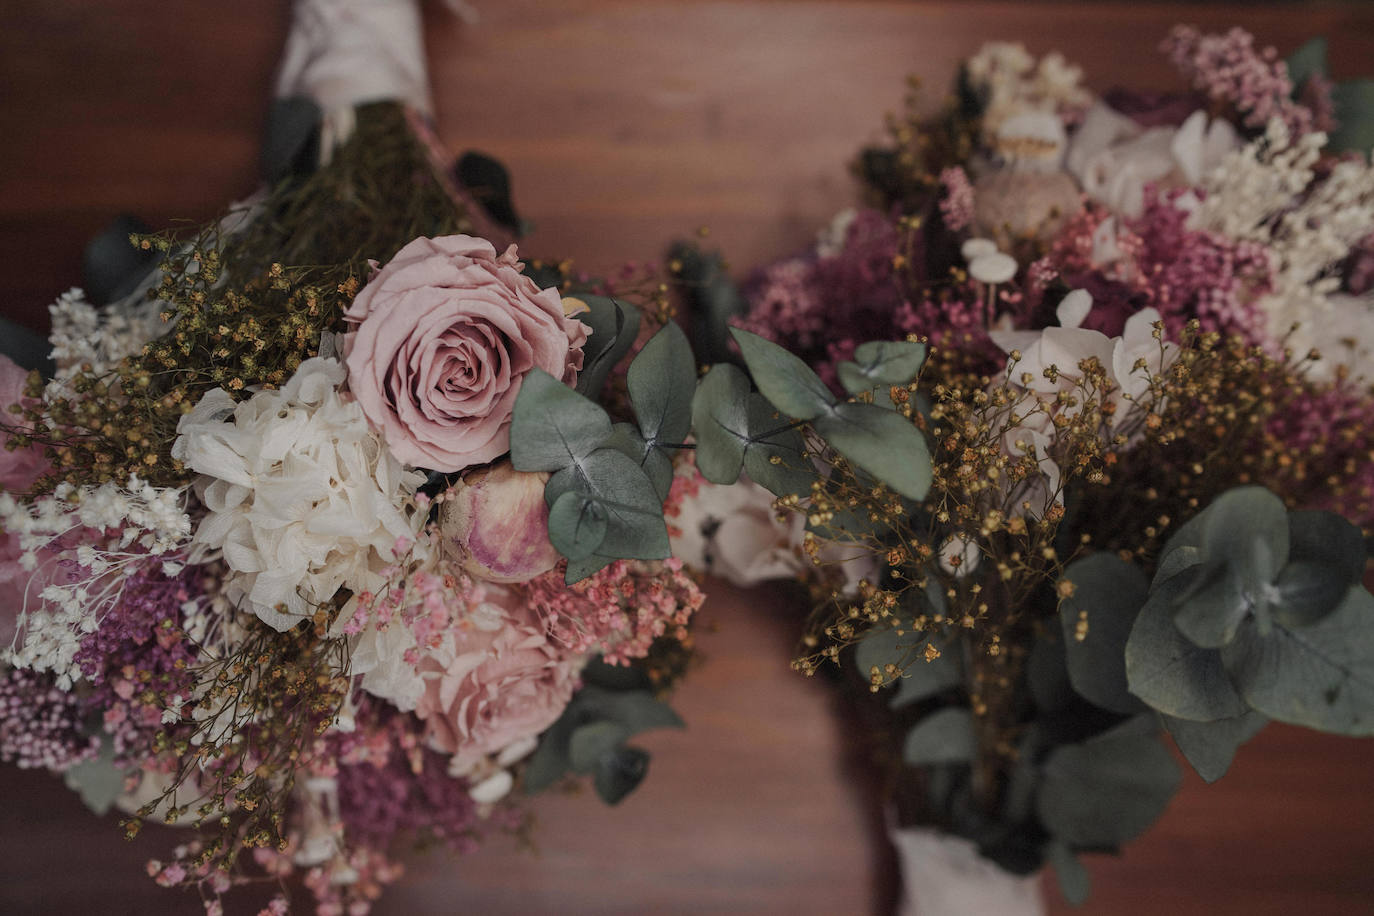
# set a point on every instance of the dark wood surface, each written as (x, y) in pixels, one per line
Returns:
(626, 125)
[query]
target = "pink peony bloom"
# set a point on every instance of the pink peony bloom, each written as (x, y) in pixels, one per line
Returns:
(445, 334)
(21, 467)
(496, 520)
(493, 682)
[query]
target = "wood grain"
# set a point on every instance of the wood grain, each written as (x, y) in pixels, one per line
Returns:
(626, 124)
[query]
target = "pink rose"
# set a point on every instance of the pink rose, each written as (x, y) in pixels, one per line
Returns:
(495, 680)
(21, 467)
(497, 521)
(446, 332)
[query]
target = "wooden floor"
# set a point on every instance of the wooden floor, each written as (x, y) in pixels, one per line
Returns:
(626, 124)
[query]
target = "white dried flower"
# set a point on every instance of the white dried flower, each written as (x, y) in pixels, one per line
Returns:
(303, 496)
(992, 268)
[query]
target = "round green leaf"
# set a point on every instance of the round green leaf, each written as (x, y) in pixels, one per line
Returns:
(1211, 746)
(590, 742)
(661, 381)
(1096, 621)
(783, 379)
(944, 736)
(1171, 673)
(720, 419)
(881, 442)
(577, 526)
(1107, 790)
(618, 774)
(553, 426)
(881, 362)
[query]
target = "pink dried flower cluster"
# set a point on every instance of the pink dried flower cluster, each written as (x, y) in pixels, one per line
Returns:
(1230, 69)
(40, 725)
(617, 612)
(956, 207)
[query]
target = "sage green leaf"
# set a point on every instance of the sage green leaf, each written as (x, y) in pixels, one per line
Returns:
(620, 773)
(1354, 104)
(577, 525)
(553, 426)
(1307, 591)
(775, 454)
(637, 710)
(588, 566)
(590, 742)
(881, 442)
(634, 514)
(1211, 746)
(1211, 610)
(782, 378)
(921, 679)
(944, 736)
(654, 462)
(613, 330)
(1246, 530)
(661, 381)
(1171, 673)
(1097, 620)
(1073, 879)
(1328, 538)
(1320, 676)
(720, 418)
(1307, 61)
(1107, 790)
(881, 363)
(550, 760)
(1176, 560)
(98, 781)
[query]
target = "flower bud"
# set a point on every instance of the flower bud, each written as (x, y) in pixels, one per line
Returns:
(496, 520)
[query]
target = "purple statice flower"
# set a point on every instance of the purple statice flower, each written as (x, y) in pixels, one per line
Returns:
(1330, 429)
(391, 785)
(1229, 69)
(40, 725)
(139, 657)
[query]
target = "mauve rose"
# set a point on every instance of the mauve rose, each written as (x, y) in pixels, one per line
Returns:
(494, 681)
(497, 521)
(21, 467)
(445, 333)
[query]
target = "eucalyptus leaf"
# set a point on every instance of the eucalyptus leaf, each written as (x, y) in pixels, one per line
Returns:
(590, 742)
(1307, 61)
(775, 453)
(661, 381)
(944, 736)
(1307, 592)
(553, 426)
(783, 378)
(655, 463)
(619, 773)
(881, 442)
(1354, 104)
(613, 331)
(1211, 746)
(637, 710)
(1168, 671)
(589, 566)
(1047, 674)
(921, 679)
(577, 525)
(1107, 790)
(1073, 879)
(881, 363)
(98, 781)
(712, 300)
(550, 760)
(1176, 560)
(1246, 530)
(1328, 538)
(720, 418)
(1213, 607)
(634, 514)
(1320, 676)
(1096, 621)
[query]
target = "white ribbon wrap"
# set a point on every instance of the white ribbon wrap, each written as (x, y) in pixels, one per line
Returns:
(944, 875)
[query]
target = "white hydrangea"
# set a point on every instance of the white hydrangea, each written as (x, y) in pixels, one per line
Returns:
(303, 497)
(1012, 82)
